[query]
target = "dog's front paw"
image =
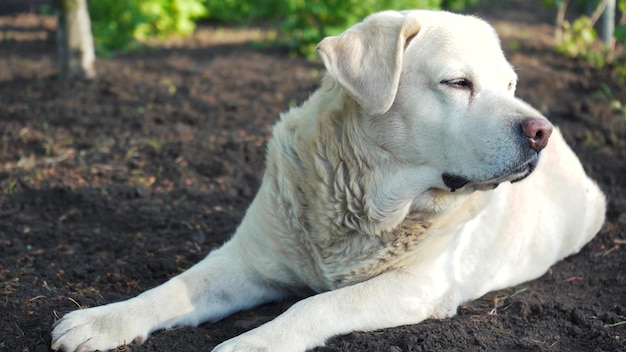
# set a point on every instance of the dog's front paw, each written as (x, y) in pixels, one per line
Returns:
(100, 328)
(237, 345)
(253, 341)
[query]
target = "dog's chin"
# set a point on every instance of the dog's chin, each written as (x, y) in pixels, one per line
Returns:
(513, 174)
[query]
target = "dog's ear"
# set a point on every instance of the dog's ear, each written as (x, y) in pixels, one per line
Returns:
(366, 59)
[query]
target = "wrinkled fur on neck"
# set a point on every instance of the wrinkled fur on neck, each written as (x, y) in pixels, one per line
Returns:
(324, 141)
(355, 214)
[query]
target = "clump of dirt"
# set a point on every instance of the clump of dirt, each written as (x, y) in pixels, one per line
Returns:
(109, 187)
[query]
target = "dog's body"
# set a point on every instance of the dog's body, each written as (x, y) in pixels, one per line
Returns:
(381, 195)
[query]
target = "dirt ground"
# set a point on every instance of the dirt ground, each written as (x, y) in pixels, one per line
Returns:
(110, 187)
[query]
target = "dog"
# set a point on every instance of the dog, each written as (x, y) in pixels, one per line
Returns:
(411, 181)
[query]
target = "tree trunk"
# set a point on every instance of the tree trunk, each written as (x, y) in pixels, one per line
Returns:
(74, 40)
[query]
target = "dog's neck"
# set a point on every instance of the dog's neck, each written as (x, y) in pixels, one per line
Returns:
(353, 183)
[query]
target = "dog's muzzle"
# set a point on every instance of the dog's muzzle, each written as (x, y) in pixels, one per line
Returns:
(516, 174)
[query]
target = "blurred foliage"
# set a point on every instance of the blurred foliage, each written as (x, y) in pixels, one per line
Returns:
(305, 22)
(620, 30)
(245, 11)
(120, 25)
(579, 37)
(579, 40)
(309, 21)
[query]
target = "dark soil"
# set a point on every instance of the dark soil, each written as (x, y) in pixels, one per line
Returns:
(110, 187)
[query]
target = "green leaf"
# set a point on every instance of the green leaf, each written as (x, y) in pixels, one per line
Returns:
(620, 33)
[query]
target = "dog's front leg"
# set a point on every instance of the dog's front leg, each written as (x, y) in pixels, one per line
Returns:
(391, 299)
(215, 287)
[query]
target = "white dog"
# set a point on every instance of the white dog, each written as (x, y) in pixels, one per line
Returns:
(391, 193)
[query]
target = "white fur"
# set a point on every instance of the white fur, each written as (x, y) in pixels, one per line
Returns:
(353, 206)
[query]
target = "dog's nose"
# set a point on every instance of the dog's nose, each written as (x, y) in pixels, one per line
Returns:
(538, 131)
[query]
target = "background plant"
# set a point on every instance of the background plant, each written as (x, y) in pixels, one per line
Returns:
(305, 22)
(579, 38)
(121, 25)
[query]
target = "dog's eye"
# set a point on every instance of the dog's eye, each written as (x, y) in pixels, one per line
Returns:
(461, 83)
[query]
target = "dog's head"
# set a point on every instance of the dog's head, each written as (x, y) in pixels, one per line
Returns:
(437, 93)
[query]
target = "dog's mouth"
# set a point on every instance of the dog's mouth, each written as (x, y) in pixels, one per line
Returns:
(513, 174)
